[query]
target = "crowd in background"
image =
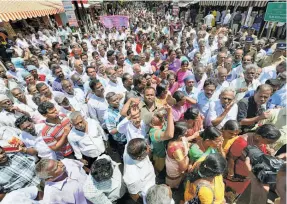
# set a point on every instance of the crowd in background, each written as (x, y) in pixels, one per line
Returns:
(158, 112)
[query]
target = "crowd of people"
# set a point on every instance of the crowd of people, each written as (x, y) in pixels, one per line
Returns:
(158, 112)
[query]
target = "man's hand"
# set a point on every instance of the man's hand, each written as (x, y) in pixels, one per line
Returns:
(229, 106)
(241, 90)
(265, 115)
(167, 108)
(85, 162)
(15, 108)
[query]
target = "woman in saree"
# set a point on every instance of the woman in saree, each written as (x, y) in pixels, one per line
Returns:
(210, 141)
(177, 161)
(237, 172)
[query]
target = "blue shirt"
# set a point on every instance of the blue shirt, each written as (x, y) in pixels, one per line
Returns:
(193, 94)
(112, 118)
(18, 62)
(203, 103)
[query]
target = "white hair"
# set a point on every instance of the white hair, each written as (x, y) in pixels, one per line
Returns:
(228, 89)
(158, 194)
(250, 66)
(74, 115)
(41, 169)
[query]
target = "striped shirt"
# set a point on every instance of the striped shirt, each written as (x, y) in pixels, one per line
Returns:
(52, 133)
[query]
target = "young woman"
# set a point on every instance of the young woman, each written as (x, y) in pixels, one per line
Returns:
(162, 93)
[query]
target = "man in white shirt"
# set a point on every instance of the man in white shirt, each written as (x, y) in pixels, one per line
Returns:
(227, 18)
(223, 109)
(79, 69)
(132, 126)
(97, 104)
(86, 138)
(208, 19)
(75, 96)
(139, 173)
(221, 81)
(63, 181)
(205, 54)
(115, 83)
(104, 184)
(246, 83)
(9, 113)
(16, 73)
(31, 136)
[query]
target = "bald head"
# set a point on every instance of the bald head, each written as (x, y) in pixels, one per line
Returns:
(78, 64)
(222, 74)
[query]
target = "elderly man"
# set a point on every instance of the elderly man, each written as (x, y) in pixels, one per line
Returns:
(75, 96)
(246, 83)
(56, 130)
(221, 81)
(9, 112)
(188, 89)
(104, 170)
(16, 73)
(127, 80)
(139, 173)
(223, 109)
(79, 69)
(86, 138)
(24, 100)
(17, 170)
(272, 72)
(97, 104)
(7, 82)
(238, 54)
(253, 109)
(159, 194)
(199, 76)
(115, 83)
(63, 181)
(205, 54)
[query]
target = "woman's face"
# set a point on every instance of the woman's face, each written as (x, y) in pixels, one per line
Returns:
(171, 80)
(182, 101)
(228, 134)
(217, 142)
(262, 140)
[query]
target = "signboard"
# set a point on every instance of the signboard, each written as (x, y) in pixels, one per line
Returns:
(115, 21)
(70, 13)
(276, 12)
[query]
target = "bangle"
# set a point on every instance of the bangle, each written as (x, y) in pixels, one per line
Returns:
(25, 150)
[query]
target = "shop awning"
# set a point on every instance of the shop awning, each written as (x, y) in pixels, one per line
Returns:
(23, 9)
(234, 3)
